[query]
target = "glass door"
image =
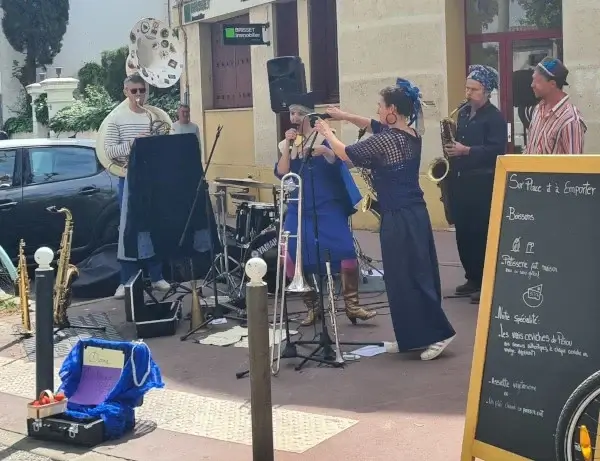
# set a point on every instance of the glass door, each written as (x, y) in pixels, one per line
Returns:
(525, 54)
(513, 36)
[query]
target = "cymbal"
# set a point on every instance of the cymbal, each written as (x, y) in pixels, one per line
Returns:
(243, 182)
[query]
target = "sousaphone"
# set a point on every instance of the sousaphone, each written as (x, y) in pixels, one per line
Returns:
(155, 53)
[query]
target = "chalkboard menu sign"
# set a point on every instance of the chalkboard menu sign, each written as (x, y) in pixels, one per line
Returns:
(538, 328)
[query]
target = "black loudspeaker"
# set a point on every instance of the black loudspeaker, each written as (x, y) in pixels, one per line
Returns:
(523, 95)
(286, 76)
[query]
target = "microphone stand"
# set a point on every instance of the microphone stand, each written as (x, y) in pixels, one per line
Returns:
(218, 311)
(322, 340)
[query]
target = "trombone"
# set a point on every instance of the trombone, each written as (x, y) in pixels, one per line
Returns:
(290, 182)
(339, 359)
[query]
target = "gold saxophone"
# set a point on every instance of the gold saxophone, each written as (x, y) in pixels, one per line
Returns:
(369, 202)
(439, 168)
(23, 289)
(66, 272)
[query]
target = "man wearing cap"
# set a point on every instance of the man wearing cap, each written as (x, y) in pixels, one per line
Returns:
(481, 135)
(329, 195)
(557, 127)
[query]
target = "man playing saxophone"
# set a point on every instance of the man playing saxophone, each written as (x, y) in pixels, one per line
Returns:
(481, 135)
(330, 189)
(123, 128)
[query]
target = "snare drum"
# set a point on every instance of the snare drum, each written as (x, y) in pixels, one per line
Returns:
(251, 219)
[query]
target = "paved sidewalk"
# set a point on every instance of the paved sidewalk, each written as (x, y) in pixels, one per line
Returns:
(18, 447)
(381, 409)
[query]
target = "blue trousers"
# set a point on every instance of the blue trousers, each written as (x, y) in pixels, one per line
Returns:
(129, 268)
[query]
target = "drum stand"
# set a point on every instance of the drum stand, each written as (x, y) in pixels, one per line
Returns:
(365, 263)
(220, 268)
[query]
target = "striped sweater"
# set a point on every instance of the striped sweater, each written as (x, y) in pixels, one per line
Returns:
(121, 130)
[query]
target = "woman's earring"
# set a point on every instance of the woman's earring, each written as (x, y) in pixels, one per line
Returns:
(387, 119)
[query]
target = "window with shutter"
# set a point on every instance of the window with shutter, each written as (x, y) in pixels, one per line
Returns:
(231, 69)
(324, 68)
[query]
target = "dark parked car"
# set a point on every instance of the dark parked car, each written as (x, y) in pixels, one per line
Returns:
(38, 173)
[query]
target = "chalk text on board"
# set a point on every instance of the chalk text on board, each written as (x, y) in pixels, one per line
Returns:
(528, 319)
(583, 189)
(568, 188)
(531, 344)
(527, 184)
(507, 385)
(513, 215)
(526, 268)
(511, 406)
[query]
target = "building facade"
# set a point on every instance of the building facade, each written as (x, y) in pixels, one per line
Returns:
(351, 49)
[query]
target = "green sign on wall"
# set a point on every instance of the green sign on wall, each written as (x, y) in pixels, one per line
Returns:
(194, 11)
(244, 34)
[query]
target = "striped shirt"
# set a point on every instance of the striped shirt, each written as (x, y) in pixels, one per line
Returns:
(121, 130)
(556, 131)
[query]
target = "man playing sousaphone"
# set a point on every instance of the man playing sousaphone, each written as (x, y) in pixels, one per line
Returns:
(334, 194)
(123, 127)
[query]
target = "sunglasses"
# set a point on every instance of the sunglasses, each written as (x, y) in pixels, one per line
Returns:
(136, 90)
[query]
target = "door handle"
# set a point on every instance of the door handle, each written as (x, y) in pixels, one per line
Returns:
(88, 190)
(7, 205)
(509, 128)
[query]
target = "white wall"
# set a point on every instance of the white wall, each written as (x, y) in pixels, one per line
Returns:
(229, 7)
(96, 26)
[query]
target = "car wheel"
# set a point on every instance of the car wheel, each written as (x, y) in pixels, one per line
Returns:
(110, 233)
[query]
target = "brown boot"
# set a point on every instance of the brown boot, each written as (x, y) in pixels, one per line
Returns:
(310, 302)
(350, 278)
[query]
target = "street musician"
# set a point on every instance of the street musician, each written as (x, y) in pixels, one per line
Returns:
(332, 198)
(481, 135)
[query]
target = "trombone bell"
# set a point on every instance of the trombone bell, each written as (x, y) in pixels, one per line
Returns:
(299, 285)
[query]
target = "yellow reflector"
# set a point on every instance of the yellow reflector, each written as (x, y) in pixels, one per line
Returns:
(585, 443)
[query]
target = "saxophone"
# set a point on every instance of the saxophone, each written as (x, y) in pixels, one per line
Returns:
(439, 168)
(369, 202)
(23, 290)
(66, 272)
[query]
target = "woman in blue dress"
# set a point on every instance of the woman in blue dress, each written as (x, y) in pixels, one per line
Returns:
(412, 278)
(327, 187)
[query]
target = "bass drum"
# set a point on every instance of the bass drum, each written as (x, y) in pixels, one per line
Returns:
(265, 246)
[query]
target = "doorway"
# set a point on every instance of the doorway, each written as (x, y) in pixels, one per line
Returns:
(513, 38)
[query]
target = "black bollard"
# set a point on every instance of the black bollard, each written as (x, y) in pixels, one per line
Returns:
(260, 362)
(44, 321)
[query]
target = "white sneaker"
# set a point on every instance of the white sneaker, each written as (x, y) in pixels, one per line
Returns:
(436, 349)
(161, 285)
(120, 293)
(390, 348)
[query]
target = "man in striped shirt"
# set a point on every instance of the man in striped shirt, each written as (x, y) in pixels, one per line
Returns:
(123, 127)
(556, 125)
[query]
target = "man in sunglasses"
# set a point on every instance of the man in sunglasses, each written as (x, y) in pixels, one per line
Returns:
(123, 128)
(557, 127)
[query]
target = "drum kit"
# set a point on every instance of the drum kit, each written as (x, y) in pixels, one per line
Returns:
(254, 234)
